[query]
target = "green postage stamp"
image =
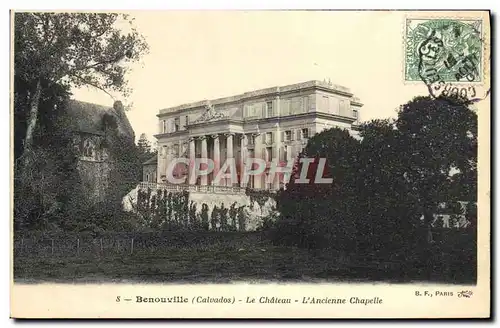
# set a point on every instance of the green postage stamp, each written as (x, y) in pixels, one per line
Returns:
(443, 50)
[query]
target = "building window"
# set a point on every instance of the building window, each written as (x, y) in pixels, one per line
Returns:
(305, 133)
(177, 124)
(269, 154)
(187, 121)
(285, 107)
(164, 126)
(88, 148)
(297, 106)
(251, 139)
(256, 110)
(285, 153)
(355, 113)
(269, 105)
(251, 182)
(269, 184)
(269, 138)
(147, 177)
(288, 135)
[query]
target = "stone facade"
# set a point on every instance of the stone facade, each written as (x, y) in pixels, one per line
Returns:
(95, 129)
(272, 124)
(149, 169)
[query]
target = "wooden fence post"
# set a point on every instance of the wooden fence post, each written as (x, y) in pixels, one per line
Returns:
(52, 247)
(78, 246)
(132, 246)
(101, 244)
(22, 245)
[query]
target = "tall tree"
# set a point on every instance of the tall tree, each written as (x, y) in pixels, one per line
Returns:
(386, 216)
(313, 214)
(144, 144)
(440, 141)
(71, 49)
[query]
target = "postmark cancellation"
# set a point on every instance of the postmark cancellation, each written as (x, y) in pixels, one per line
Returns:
(443, 50)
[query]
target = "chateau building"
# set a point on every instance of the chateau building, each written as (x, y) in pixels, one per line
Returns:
(272, 124)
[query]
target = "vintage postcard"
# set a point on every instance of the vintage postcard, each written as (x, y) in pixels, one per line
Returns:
(250, 164)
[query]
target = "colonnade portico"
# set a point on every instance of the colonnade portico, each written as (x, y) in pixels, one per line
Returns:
(209, 146)
(272, 124)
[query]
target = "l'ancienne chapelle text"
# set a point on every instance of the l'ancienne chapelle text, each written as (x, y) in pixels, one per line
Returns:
(262, 300)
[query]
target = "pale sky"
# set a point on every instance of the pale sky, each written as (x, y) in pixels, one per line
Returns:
(197, 55)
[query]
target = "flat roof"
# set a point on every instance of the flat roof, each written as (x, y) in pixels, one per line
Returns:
(262, 92)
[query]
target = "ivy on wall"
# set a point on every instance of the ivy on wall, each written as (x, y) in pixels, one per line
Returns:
(173, 210)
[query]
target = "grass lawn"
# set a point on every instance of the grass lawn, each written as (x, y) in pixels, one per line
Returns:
(176, 265)
(241, 259)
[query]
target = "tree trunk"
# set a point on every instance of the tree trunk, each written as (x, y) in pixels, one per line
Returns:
(34, 103)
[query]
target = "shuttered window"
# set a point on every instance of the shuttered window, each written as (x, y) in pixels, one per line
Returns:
(269, 106)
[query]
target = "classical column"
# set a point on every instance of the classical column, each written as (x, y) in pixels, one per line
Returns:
(230, 148)
(204, 155)
(181, 142)
(179, 155)
(168, 157)
(276, 156)
(230, 153)
(243, 142)
(278, 107)
(258, 154)
(192, 156)
(162, 162)
(216, 158)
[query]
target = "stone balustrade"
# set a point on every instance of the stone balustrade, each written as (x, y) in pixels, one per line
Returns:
(192, 188)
